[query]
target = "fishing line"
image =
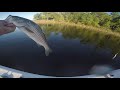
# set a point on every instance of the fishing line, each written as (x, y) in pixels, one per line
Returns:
(116, 55)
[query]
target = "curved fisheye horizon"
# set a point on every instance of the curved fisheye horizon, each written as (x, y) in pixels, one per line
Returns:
(61, 44)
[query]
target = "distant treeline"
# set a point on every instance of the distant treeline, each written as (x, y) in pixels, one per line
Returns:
(97, 19)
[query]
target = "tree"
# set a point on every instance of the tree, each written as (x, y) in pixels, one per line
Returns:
(104, 19)
(115, 14)
(115, 24)
(88, 18)
(37, 16)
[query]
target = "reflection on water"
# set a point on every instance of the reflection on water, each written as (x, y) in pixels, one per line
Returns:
(85, 36)
(75, 51)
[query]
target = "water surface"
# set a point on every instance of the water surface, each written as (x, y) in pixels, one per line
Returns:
(75, 51)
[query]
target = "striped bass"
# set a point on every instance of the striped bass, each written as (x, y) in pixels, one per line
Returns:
(31, 29)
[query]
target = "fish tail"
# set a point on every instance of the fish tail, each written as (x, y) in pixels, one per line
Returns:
(47, 51)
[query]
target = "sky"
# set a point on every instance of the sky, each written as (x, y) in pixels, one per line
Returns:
(28, 15)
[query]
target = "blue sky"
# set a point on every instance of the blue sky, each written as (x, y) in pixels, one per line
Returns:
(28, 15)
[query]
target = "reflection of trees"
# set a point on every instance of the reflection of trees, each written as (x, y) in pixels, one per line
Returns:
(101, 40)
(67, 31)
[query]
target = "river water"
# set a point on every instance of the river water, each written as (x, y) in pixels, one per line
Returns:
(74, 53)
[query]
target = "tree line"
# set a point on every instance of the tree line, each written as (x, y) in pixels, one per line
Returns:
(98, 19)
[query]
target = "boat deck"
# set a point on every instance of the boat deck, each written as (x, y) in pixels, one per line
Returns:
(6, 72)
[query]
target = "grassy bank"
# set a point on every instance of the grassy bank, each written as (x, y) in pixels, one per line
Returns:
(96, 29)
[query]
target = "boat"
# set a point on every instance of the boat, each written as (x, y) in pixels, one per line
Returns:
(6, 72)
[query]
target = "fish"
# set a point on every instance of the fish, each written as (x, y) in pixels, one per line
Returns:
(32, 30)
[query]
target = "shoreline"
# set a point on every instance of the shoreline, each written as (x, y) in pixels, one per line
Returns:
(96, 29)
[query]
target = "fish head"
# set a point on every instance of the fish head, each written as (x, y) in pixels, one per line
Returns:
(9, 19)
(17, 21)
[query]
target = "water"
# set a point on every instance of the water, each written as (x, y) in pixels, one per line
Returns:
(74, 52)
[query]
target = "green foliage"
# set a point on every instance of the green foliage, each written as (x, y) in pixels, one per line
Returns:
(37, 16)
(115, 24)
(103, 19)
(115, 14)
